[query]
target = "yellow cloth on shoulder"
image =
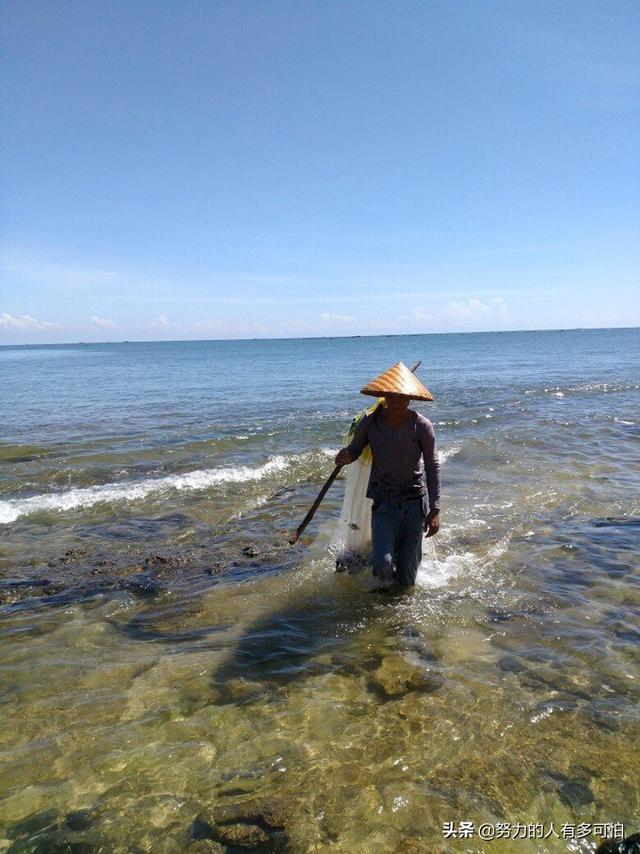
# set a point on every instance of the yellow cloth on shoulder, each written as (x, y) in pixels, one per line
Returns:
(365, 456)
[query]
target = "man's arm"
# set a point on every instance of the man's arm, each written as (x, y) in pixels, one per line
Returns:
(432, 473)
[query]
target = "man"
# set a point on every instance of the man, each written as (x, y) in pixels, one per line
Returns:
(405, 475)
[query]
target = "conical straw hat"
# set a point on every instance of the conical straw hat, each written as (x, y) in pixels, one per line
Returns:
(397, 380)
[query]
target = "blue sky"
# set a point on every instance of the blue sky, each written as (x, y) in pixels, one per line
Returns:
(263, 169)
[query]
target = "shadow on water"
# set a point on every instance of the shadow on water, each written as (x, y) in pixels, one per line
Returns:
(281, 646)
(338, 628)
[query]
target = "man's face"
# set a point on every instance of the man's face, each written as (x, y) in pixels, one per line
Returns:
(396, 402)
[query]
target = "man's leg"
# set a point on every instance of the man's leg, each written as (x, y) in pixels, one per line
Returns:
(410, 544)
(384, 533)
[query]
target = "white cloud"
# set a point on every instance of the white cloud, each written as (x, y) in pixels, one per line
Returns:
(470, 313)
(336, 318)
(161, 321)
(500, 309)
(25, 322)
(239, 328)
(103, 322)
(470, 309)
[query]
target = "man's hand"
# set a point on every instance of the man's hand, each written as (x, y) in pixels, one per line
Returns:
(343, 458)
(432, 523)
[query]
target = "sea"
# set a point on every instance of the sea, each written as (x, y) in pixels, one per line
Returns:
(176, 676)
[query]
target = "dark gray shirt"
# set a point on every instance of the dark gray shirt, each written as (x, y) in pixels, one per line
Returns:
(405, 463)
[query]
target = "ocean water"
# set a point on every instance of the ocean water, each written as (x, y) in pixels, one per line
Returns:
(175, 675)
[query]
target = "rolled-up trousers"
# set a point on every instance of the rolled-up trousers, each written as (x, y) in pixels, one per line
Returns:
(397, 530)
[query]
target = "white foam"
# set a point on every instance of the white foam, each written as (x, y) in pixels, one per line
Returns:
(498, 549)
(446, 454)
(434, 573)
(109, 493)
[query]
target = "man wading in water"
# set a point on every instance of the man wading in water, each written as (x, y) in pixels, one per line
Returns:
(405, 476)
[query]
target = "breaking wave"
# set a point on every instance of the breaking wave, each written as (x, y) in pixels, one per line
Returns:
(199, 480)
(446, 454)
(109, 493)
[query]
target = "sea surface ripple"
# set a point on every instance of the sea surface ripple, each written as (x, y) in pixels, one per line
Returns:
(174, 672)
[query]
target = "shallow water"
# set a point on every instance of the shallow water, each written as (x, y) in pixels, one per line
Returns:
(505, 688)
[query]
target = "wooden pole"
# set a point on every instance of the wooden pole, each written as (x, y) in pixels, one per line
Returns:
(294, 537)
(312, 510)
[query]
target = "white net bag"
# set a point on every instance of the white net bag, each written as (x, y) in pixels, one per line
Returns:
(354, 524)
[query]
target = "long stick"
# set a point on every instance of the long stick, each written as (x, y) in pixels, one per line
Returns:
(294, 537)
(312, 510)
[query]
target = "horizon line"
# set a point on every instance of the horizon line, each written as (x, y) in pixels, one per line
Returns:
(323, 337)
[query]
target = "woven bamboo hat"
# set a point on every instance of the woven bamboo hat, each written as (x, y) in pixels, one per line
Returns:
(397, 380)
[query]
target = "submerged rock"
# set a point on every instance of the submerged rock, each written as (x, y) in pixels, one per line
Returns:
(69, 556)
(205, 846)
(15, 590)
(239, 690)
(162, 563)
(143, 585)
(628, 845)
(242, 835)
(396, 677)
(548, 679)
(510, 664)
(34, 823)
(254, 824)
(604, 719)
(575, 794)
(48, 833)
(81, 573)
(573, 788)
(79, 820)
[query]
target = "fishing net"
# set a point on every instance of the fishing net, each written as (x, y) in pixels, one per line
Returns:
(354, 525)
